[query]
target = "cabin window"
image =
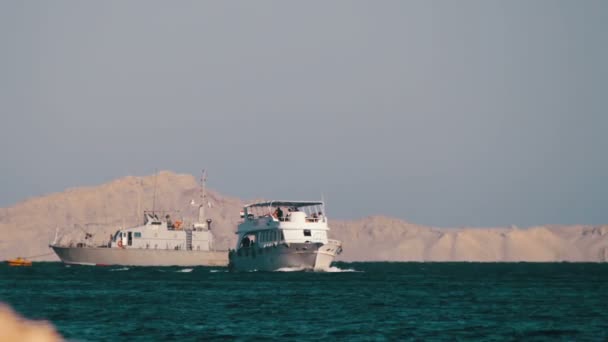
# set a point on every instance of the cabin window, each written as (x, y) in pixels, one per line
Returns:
(307, 232)
(137, 234)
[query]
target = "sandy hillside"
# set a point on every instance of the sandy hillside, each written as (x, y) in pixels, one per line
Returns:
(29, 226)
(382, 238)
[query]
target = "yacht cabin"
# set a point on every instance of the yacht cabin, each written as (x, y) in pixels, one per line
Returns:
(272, 223)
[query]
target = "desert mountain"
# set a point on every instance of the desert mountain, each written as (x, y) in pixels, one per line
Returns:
(29, 226)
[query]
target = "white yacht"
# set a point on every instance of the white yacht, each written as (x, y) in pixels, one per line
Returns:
(158, 242)
(283, 234)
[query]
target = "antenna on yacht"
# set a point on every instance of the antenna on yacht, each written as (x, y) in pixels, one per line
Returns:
(56, 235)
(323, 205)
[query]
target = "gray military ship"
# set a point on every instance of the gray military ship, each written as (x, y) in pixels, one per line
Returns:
(157, 242)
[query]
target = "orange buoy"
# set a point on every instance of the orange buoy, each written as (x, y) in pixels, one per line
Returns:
(19, 262)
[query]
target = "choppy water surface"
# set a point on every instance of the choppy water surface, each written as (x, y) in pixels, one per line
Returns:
(380, 301)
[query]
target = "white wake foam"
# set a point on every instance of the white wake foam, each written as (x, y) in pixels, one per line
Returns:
(185, 270)
(216, 271)
(290, 269)
(334, 269)
(120, 269)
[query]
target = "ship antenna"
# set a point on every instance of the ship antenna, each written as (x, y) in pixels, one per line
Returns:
(201, 206)
(154, 196)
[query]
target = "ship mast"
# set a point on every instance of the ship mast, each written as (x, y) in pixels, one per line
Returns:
(201, 207)
(154, 196)
(203, 201)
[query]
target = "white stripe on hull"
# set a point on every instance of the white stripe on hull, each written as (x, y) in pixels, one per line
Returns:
(139, 257)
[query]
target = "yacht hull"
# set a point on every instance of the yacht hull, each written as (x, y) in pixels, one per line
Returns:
(295, 256)
(139, 257)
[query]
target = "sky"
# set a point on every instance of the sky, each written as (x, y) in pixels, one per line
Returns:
(445, 113)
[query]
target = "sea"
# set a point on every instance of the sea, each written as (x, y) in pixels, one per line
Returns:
(376, 301)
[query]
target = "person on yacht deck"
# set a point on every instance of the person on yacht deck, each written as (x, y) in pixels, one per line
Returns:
(278, 213)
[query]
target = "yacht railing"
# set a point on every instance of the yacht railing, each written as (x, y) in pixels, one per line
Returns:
(308, 219)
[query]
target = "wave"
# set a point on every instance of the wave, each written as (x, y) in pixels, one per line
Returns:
(185, 270)
(216, 271)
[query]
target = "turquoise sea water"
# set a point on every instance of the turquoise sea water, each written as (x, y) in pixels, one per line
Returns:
(359, 301)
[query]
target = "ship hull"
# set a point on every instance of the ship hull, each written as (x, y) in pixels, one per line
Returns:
(295, 256)
(139, 257)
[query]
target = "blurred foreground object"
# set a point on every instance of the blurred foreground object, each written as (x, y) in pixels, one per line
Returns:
(16, 328)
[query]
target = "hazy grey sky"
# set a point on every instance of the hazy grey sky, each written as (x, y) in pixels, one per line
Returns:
(445, 113)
